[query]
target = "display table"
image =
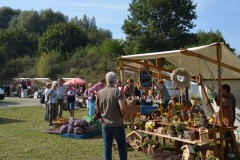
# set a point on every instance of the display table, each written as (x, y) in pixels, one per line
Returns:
(212, 137)
(131, 112)
(195, 142)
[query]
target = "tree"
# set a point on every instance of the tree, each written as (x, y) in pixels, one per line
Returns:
(28, 20)
(49, 17)
(86, 23)
(205, 38)
(3, 55)
(63, 37)
(156, 25)
(6, 14)
(112, 47)
(95, 35)
(49, 64)
(14, 67)
(18, 43)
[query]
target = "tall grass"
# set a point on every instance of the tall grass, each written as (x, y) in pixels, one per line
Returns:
(22, 137)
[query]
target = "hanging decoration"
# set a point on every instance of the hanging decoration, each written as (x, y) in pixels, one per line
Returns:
(181, 78)
(199, 79)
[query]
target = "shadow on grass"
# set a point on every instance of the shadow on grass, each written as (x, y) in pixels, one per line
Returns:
(7, 104)
(7, 120)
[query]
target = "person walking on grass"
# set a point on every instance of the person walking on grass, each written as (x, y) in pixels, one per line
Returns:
(52, 102)
(71, 99)
(48, 87)
(62, 90)
(110, 107)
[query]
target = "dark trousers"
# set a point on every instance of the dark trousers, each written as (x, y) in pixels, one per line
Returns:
(119, 134)
(60, 103)
(53, 112)
(46, 117)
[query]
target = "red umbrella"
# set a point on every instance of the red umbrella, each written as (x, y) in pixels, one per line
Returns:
(76, 81)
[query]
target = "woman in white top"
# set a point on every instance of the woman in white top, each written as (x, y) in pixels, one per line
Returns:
(52, 102)
(48, 86)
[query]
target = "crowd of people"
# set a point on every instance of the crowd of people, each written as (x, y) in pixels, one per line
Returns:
(21, 88)
(110, 95)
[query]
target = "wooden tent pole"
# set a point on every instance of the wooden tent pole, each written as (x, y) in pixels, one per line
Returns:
(120, 66)
(145, 63)
(121, 75)
(219, 58)
(159, 67)
(159, 75)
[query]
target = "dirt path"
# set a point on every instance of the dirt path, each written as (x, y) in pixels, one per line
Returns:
(19, 102)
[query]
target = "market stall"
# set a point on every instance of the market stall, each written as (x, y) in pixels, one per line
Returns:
(210, 66)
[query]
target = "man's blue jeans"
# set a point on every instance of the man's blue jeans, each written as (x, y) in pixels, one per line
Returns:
(119, 134)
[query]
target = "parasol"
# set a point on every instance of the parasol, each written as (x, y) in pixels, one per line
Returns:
(76, 81)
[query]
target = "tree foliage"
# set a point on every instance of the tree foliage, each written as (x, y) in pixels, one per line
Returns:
(29, 21)
(63, 37)
(205, 38)
(156, 25)
(113, 47)
(49, 17)
(14, 67)
(88, 25)
(49, 64)
(6, 14)
(18, 42)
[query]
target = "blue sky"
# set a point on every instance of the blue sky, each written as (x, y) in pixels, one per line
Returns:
(110, 14)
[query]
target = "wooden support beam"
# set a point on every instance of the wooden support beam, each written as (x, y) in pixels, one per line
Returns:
(146, 64)
(153, 73)
(149, 65)
(190, 53)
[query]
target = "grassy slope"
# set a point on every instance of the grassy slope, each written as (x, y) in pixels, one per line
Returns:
(21, 137)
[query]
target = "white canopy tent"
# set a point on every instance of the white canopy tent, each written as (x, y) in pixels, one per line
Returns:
(203, 60)
(41, 80)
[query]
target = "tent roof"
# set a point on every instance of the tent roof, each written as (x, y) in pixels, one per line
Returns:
(201, 59)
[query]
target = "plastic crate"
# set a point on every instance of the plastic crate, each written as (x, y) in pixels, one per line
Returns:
(83, 136)
(147, 109)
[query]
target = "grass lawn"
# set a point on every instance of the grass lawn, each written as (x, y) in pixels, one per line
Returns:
(21, 137)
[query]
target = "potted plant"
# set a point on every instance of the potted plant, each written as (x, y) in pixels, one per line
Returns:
(139, 122)
(164, 130)
(150, 146)
(171, 131)
(198, 99)
(149, 126)
(180, 130)
(193, 99)
(164, 117)
(175, 118)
